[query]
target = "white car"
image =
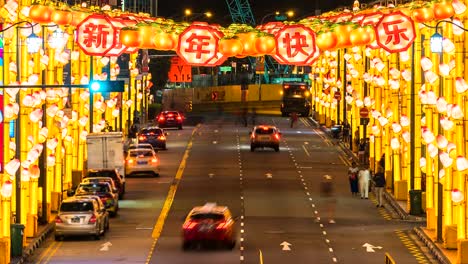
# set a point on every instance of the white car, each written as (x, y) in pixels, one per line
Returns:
(141, 161)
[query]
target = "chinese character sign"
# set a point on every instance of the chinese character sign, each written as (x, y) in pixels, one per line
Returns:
(198, 45)
(96, 35)
(395, 32)
(295, 44)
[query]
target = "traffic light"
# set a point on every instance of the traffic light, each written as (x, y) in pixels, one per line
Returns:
(106, 86)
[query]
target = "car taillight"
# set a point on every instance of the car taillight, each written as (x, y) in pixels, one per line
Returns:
(179, 118)
(277, 136)
(92, 220)
(130, 161)
(161, 137)
(161, 118)
(58, 220)
(141, 137)
(222, 225)
(154, 160)
(169, 115)
(189, 225)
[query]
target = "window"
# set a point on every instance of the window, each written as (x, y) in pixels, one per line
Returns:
(262, 131)
(77, 207)
(141, 153)
(204, 216)
(93, 188)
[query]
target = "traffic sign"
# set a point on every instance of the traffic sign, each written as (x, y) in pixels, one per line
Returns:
(364, 112)
(337, 95)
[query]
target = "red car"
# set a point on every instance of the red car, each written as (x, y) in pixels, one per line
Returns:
(209, 224)
(170, 119)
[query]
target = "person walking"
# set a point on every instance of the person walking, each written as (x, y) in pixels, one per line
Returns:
(293, 118)
(364, 178)
(379, 181)
(353, 178)
(327, 193)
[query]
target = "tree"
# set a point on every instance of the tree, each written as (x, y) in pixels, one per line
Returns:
(159, 68)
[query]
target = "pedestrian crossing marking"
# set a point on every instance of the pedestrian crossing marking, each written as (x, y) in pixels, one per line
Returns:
(413, 248)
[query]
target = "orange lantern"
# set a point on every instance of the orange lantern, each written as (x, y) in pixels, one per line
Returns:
(327, 40)
(40, 13)
(230, 47)
(61, 17)
(78, 17)
(265, 44)
(146, 32)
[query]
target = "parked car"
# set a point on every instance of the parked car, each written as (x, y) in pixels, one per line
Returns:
(170, 119)
(104, 191)
(265, 136)
(81, 216)
(210, 223)
(141, 161)
(154, 136)
(119, 181)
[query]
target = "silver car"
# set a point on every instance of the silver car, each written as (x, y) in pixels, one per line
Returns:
(81, 216)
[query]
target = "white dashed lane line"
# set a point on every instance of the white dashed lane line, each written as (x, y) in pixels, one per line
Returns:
(242, 209)
(316, 212)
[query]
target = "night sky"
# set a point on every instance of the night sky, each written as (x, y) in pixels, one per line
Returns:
(260, 8)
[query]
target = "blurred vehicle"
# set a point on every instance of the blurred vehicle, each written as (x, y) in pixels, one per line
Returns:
(207, 224)
(104, 191)
(119, 181)
(142, 161)
(265, 136)
(102, 179)
(105, 151)
(154, 136)
(296, 98)
(81, 216)
(170, 119)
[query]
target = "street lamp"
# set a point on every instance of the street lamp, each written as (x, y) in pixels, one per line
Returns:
(188, 12)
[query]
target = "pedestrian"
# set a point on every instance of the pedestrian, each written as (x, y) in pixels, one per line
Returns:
(364, 177)
(327, 193)
(379, 181)
(353, 178)
(382, 161)
(362, 151)
(294, 118)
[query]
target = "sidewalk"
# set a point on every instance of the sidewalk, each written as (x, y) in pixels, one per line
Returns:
(32, 243)
(428, 237)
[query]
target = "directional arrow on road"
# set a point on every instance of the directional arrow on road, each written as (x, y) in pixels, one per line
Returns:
(215, 142)
(370, 248)
(210, 175)
(216, 130)
(269, 175)
(105, 246)
(285, 246)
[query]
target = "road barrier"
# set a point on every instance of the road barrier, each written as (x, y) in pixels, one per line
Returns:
(389, 259)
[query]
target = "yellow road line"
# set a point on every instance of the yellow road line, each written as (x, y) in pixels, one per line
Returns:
(44, 253)
(261, 256)
(54, 247)
(170, 198)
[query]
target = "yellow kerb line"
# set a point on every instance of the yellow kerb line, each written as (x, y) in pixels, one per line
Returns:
(54, 247)
(44, 254)
(170, 198)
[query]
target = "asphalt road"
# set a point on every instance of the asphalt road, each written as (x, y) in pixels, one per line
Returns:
(274, 195)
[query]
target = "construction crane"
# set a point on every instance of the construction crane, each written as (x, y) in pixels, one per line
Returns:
(242, 13)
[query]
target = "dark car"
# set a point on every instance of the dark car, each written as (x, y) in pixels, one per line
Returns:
(209, 224)
(265, 136)
(154, 136)
(111, 173)
(170, 119)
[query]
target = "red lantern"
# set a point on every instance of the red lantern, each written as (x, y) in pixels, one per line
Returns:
(395, 32)
(96, 35)
(198, 45)
(40, 13)
(295, 44)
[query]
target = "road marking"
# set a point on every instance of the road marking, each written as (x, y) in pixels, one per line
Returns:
(105, 246)
(46, 252)
(413, 249)
(54, 248)
(305, 150)
(261, 256)
(285, 246)
(170, 197)
(269, 175)
(370, 248)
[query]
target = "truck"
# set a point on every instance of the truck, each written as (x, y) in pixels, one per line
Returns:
(296, 98)
(106, 151)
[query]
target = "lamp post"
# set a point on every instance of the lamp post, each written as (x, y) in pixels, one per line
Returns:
(188, 13)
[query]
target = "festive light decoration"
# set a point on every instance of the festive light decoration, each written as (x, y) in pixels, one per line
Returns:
(394, 143)
(457, 196)
(442, 142)
(445, 159)
(462, 163)
(7, 189)
(12, 166)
